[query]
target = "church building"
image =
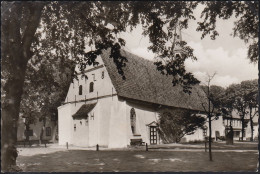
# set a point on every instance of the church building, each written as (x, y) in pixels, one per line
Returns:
(106, 110)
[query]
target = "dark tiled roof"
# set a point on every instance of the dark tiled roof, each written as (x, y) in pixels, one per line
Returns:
(143, 82)
(83, 111)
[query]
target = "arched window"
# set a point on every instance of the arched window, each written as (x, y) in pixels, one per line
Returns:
(133, 120)
(91, 87)
(80, 89)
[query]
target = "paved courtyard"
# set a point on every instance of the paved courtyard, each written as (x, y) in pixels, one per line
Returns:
(58, 159)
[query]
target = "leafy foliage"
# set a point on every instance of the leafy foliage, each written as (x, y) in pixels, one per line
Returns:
(243, 95)
(60, 35)
(246, 26)
(175, 123)
(242, 98)
(215, 95)
(45, 88)
(101, 25)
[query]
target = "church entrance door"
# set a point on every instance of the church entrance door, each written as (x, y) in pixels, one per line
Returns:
(153, 135)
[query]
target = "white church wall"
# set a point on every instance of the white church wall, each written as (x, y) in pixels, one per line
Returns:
(80, 133)
(85, 135)
(106, 125)
(104, 116)
(118, 125)
(144, 115)
(64, 124)
(93, 132)
(98, 129)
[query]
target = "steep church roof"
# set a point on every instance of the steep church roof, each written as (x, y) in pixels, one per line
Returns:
(144, 83)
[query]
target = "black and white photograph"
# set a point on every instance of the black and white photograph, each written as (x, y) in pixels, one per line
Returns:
(129, 86)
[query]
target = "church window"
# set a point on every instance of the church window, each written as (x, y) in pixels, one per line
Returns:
(91, 87)
(80, 89)
(103, 74)
(93, 77)
(75, 127)
(133, 120)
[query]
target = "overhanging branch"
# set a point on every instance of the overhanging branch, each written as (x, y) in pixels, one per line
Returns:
(32, 25)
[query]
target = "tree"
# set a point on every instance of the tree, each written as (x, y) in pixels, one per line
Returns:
(30, 111)
(251, 98)
(212, 106)
(175, 123)
(244, 98)
(15, 54)
(226, 111)
(44, 90)
(64, 29)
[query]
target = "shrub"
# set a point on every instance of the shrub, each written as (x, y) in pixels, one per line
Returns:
(175, 123)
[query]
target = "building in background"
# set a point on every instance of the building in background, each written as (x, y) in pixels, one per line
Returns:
(49, 131)
(221, 127)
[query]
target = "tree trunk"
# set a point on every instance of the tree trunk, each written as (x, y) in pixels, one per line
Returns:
(251, 124)
(27, 128)
(230, 135)
(210, 153)
(243, 127)
(258, 164)
(15, 53)
(42, 129)
(209, 116)
(41, 134)
(10, 115)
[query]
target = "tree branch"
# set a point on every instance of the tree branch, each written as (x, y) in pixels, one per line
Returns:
(203, 107)
(32, 25)
(212, 108)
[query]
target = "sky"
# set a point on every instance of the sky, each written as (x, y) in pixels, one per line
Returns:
(226, 56)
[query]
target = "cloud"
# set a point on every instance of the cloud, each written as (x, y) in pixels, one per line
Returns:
(143, 52)
(227, 56)
(231, 67)
(224, 80)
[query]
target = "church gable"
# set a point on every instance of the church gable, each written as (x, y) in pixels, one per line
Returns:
(98, 84)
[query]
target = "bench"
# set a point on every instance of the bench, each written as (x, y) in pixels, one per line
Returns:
(137, 142)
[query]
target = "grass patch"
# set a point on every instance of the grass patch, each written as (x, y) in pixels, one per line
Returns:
(138, 161)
